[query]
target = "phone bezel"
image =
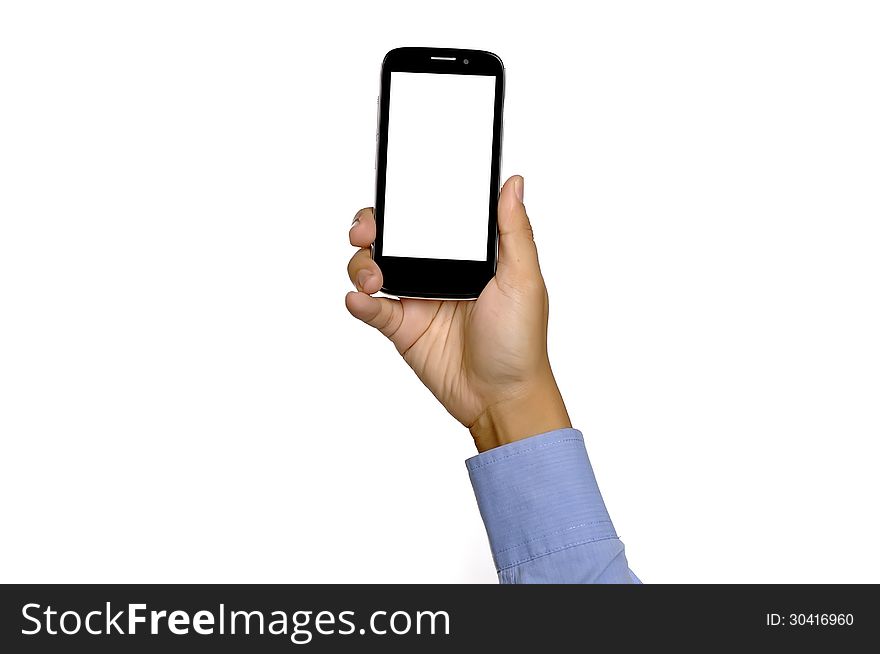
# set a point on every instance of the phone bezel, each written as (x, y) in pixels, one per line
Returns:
(438, 278)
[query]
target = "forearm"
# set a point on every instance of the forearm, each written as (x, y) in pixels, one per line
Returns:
(537, 410)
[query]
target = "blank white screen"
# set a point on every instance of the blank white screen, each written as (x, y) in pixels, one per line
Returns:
(438, 166)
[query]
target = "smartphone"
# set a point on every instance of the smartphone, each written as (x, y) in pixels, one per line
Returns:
(438, 163)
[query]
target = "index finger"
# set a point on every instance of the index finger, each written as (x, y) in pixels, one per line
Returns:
(363, 229)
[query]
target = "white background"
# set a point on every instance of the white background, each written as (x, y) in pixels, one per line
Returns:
(183, 396)
(440, 132)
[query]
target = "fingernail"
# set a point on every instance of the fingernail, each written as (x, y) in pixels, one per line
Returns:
(363, 277)
(357, 219)
(518, 184)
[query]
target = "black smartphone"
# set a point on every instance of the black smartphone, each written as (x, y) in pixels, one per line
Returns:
(438, 162)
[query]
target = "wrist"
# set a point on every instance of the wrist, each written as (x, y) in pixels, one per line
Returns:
(534, 411)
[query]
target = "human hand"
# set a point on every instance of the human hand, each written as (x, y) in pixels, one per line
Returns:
(485, 360)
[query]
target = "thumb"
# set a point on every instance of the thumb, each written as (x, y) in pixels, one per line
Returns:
(517, 254)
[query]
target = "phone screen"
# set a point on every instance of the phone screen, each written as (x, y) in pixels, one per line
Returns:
(439, 162)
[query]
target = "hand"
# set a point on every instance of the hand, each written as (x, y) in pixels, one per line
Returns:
(486, 361)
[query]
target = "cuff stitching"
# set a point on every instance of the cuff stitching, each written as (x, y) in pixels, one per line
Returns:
(553, 533)
(525, 451)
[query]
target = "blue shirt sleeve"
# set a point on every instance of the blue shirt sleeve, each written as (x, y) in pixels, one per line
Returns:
(546, 520)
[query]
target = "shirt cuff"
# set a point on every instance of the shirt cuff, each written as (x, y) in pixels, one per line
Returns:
(538, 496)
